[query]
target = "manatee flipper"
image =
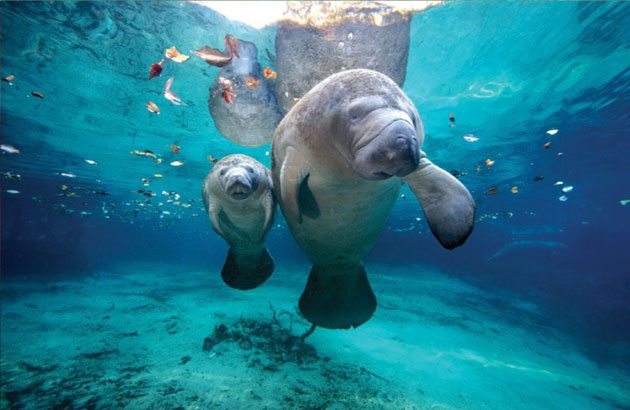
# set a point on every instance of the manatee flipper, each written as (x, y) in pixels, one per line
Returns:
(213, 211)
(268, 204)
(293, 171)
(447, 204)
(338, 298)
(246, 271)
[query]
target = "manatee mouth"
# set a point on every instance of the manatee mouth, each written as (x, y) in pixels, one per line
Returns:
(392, 152)
(239, 189)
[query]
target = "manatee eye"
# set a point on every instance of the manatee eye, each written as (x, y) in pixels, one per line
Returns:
(223, 171)
(249, 169)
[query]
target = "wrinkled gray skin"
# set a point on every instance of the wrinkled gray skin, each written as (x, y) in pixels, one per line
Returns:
(305, 55)
(339, 158)
(252, 119)
(239, 199)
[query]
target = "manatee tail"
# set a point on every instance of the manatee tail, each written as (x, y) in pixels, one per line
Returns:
(338, 298)
(247, 271)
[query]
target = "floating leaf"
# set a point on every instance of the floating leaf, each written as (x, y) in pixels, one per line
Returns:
(269, 73)
(170, 95)
(552, 132)
(231, 44)
(151, 106)
(37, 94)
(156, 69)
(175, 148)
(212, 56)
(175, 55)
(251, 82)
(470, 138)
(177, 163)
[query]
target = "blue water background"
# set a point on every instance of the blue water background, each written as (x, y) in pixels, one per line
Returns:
(507, 71)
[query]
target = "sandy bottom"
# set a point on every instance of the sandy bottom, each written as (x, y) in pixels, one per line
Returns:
(162, 337)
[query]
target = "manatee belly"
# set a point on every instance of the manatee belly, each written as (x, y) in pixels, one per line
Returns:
(343, 218)
(243, 228)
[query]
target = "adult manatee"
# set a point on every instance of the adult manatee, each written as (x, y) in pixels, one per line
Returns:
(238, 196)
(347, 36)
(339, 159)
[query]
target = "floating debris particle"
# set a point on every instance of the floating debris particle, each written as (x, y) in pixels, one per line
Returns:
(63, 187)
(470, 138)
(538, 178)
(403, 196)
(231, 44)
(567, 188)
(12, 191)
(559, 183)
(9, 149)
(170, 95)
(560, 154)
(296, 100)
(175, 148)
(489, 162)
(266, 153)
(552, 131)
(37, 94)
(151, 106)
(91, 162)
(9, 79)
(212, 159)
(101, 192)
(145, 153)
(514, 189)
(177, 163)
(158, 175)
(624, 202)
(227, 90)
(11, 175)
(146, 193)
(492, 191)
(251, 82)
(547, 145)
(68, 175)
(212, 56)
(36, 199)
(563, 198)
(269, 74)
(175, 55)
(451, 117)
(156, 69)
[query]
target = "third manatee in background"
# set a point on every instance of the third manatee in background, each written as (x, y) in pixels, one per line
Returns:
(250, 119)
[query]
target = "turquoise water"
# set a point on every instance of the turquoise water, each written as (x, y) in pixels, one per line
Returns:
(107, 299)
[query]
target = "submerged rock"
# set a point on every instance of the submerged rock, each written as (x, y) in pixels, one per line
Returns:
(247, 113)
(308, 53)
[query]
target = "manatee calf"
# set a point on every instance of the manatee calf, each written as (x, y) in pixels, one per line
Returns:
(238, 196)
(351, 35)
(249, 115)
(339, 158)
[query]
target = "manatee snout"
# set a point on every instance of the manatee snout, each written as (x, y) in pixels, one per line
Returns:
(239, 184)
(394, 152)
